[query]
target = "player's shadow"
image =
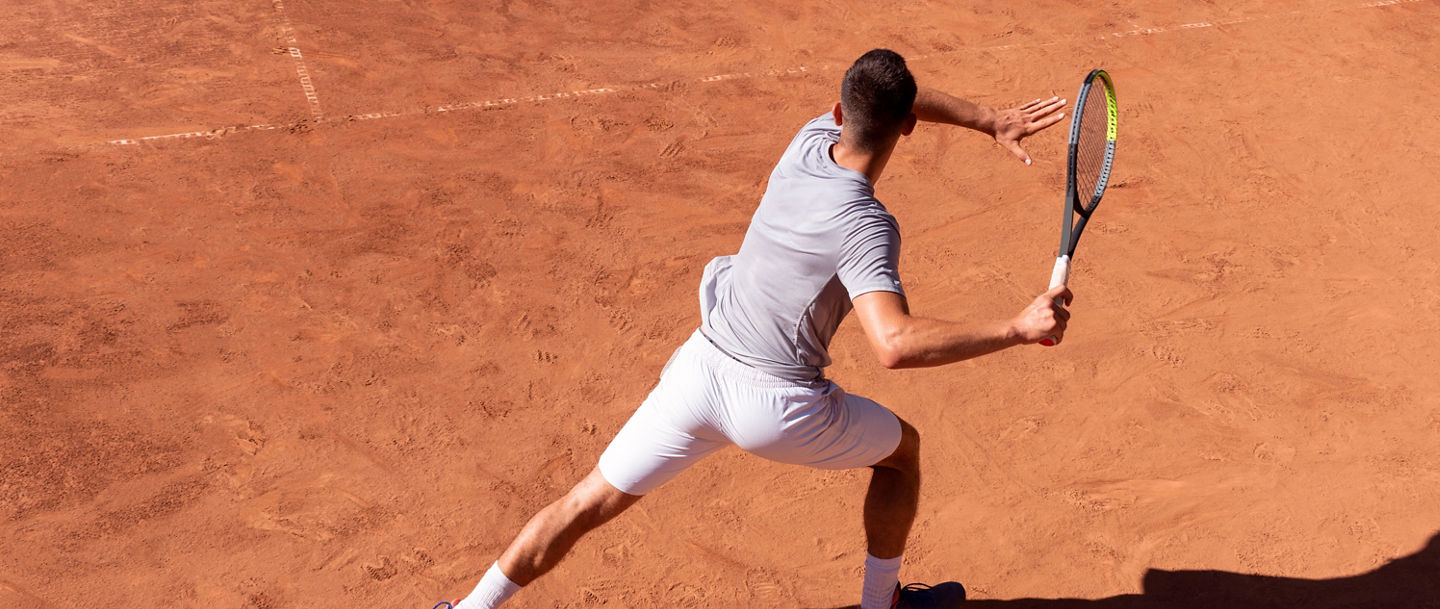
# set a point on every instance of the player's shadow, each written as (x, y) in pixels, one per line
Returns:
(1410, 582)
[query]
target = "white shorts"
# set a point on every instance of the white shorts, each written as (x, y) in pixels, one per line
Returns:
(706, 400)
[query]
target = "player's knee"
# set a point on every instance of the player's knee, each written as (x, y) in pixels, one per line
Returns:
(909, 449)
(906, 456)
(592, 503)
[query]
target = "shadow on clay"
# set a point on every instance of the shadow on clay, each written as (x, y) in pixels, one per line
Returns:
(1409, 582)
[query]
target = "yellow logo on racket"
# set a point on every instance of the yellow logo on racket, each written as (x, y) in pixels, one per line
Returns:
(1113, 114)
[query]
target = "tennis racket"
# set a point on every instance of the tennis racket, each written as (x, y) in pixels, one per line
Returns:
(1092, 149)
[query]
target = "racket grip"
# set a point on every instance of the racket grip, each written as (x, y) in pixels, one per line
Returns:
(1058, 277)
(1061, 275)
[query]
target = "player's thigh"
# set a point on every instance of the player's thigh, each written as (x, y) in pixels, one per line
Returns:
(668, 433)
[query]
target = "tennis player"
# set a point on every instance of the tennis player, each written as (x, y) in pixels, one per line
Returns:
(752, 375)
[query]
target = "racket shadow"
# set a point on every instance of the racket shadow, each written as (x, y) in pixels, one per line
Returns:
(1409, 582)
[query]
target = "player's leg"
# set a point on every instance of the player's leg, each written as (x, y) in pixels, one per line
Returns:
(893, 497)
(890, 506)
(554, 530)
(827, 428)
(641, 457)
(547, 538)
(666, 435)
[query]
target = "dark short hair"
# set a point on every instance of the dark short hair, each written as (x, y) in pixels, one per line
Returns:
(877, 96)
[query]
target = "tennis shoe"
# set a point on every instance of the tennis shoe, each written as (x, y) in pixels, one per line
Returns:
(921, 596)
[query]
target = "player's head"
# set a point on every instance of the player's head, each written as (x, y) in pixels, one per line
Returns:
(876, 99)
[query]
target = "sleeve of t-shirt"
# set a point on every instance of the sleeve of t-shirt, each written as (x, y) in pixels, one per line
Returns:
(870, 257)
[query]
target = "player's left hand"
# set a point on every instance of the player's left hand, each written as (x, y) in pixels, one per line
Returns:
(1016, 124)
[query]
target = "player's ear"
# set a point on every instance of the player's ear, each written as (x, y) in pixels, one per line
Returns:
(909, 124)
(836, 111)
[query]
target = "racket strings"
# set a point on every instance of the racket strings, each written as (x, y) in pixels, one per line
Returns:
(1091, 145)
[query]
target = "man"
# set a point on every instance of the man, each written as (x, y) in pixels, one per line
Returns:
(819, 245)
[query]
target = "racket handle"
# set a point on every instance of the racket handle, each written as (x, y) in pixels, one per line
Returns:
(1058, 277)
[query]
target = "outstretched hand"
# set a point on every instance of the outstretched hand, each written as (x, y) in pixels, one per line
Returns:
(1016, 124)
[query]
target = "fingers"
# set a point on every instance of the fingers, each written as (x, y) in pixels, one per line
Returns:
(1035, 110)
(1039, 101)
(1059, 294)
(1055, 334)
(1026, 120)
(1045, 320)
(1046, 122)
(1055, 300)
(1060, 318)
(1014, 147)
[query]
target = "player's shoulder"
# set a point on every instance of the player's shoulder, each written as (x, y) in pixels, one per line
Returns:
(816, 130)
(824, 122)
(865, 213)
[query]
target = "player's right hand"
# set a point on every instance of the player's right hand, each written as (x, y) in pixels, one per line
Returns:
(1044, 318)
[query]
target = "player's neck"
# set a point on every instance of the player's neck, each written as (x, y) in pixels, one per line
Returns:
(872, 164)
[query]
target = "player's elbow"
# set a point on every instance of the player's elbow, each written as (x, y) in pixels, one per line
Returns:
(891, 360)
(889, 328)
(902, 361)
(893, 355)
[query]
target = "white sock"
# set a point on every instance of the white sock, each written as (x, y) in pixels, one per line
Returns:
(492, 591)
(881, 577)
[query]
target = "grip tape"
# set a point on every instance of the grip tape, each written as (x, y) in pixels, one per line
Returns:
(1058, 277)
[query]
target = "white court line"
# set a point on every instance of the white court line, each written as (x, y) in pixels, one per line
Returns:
(212, 133)
(288, 31)
(537, 99)
(1146, 31)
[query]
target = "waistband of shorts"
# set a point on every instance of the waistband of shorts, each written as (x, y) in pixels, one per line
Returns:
(731, 367)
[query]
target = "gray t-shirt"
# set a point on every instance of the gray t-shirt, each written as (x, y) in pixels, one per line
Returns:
(818, 239)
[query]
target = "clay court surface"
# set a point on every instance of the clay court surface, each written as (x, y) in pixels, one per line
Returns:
(408, 266)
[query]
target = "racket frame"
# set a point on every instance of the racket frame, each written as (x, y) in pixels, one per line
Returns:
(1070, 232)
(1071, 228)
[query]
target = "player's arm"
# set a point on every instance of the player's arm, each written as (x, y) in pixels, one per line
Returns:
(1008, 127)
(901, 340)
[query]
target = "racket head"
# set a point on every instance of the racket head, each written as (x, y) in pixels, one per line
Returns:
(1093, 127)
